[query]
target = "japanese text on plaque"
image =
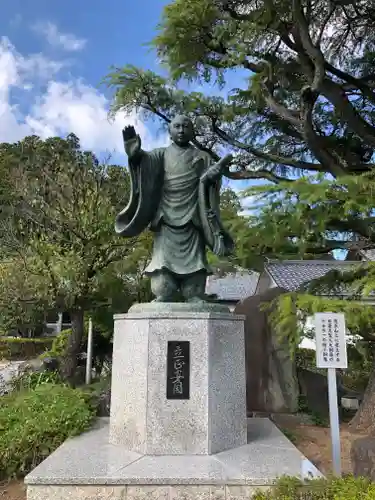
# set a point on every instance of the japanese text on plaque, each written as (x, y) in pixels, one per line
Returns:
(178, 369)
(330, 340)
(178, 373)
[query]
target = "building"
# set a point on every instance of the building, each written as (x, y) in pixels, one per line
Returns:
(56, 322)
(292, 274)
(232, 287)
(361, 255)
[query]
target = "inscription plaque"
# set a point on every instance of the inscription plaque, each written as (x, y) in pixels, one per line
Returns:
(178, 369)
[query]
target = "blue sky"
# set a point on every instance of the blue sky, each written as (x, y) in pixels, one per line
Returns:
(53, 56)
(115, 32)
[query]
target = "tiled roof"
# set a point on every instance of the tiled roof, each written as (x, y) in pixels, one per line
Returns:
(233, 286)
(368, 254)
(291, 274)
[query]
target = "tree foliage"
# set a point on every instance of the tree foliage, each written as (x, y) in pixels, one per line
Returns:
(23, 298)
(237, 223)
(302, 118)
(360, 318)
(295, 109)
(59, 246)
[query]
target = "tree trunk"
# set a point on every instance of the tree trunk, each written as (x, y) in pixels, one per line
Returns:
(364, 419)
(69, 362)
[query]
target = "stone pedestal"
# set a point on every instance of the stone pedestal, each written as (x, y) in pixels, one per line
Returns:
(161, 447)
(206, 365)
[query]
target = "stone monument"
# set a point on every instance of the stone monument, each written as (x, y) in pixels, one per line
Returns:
(173, 352)
(272, 385)
(178, 426)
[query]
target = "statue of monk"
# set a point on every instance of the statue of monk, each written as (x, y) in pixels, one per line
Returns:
(175, 192)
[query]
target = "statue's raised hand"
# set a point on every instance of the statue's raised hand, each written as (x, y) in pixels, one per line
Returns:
(132, 141)
(129, 133)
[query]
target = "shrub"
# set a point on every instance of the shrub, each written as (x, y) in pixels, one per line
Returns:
(98, 394)
(360, 363)
(348, 488)
(306, 359)
(29, 380)
(59, 345)
(16, 348)
(290, 435)
(34, 423)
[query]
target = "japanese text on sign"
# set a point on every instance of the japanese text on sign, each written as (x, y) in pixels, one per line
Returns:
(178, 375)
(178, 370)
(330, 339)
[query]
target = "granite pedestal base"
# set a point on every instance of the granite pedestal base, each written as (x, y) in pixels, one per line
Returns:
(178, 380)
(89, 468)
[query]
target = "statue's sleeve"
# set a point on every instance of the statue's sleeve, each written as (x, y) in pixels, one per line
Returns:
(146, 182)
(217, 238)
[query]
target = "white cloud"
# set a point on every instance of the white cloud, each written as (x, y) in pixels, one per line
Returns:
(53, 106)
(15, 73)
(54, 37)
(81, 109)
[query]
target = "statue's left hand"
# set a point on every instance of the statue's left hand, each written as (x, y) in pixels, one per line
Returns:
(216, 171)
(226, 161)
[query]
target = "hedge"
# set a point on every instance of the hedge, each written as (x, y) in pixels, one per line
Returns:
(346, 488)
(16, 348)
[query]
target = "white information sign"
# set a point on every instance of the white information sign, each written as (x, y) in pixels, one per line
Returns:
(330, 337)
(330, 340)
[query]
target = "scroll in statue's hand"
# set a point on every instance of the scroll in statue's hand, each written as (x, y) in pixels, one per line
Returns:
(216, 171)
(132, 141)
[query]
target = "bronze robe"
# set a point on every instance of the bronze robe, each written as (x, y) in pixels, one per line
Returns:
(168, 196)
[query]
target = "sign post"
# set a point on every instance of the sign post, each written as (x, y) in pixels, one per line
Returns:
(89, 354)
(330, 337)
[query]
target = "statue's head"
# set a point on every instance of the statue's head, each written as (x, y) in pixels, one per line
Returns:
(181, 130)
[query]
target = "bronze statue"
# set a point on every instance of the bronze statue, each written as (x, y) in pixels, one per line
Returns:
(175, 191)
